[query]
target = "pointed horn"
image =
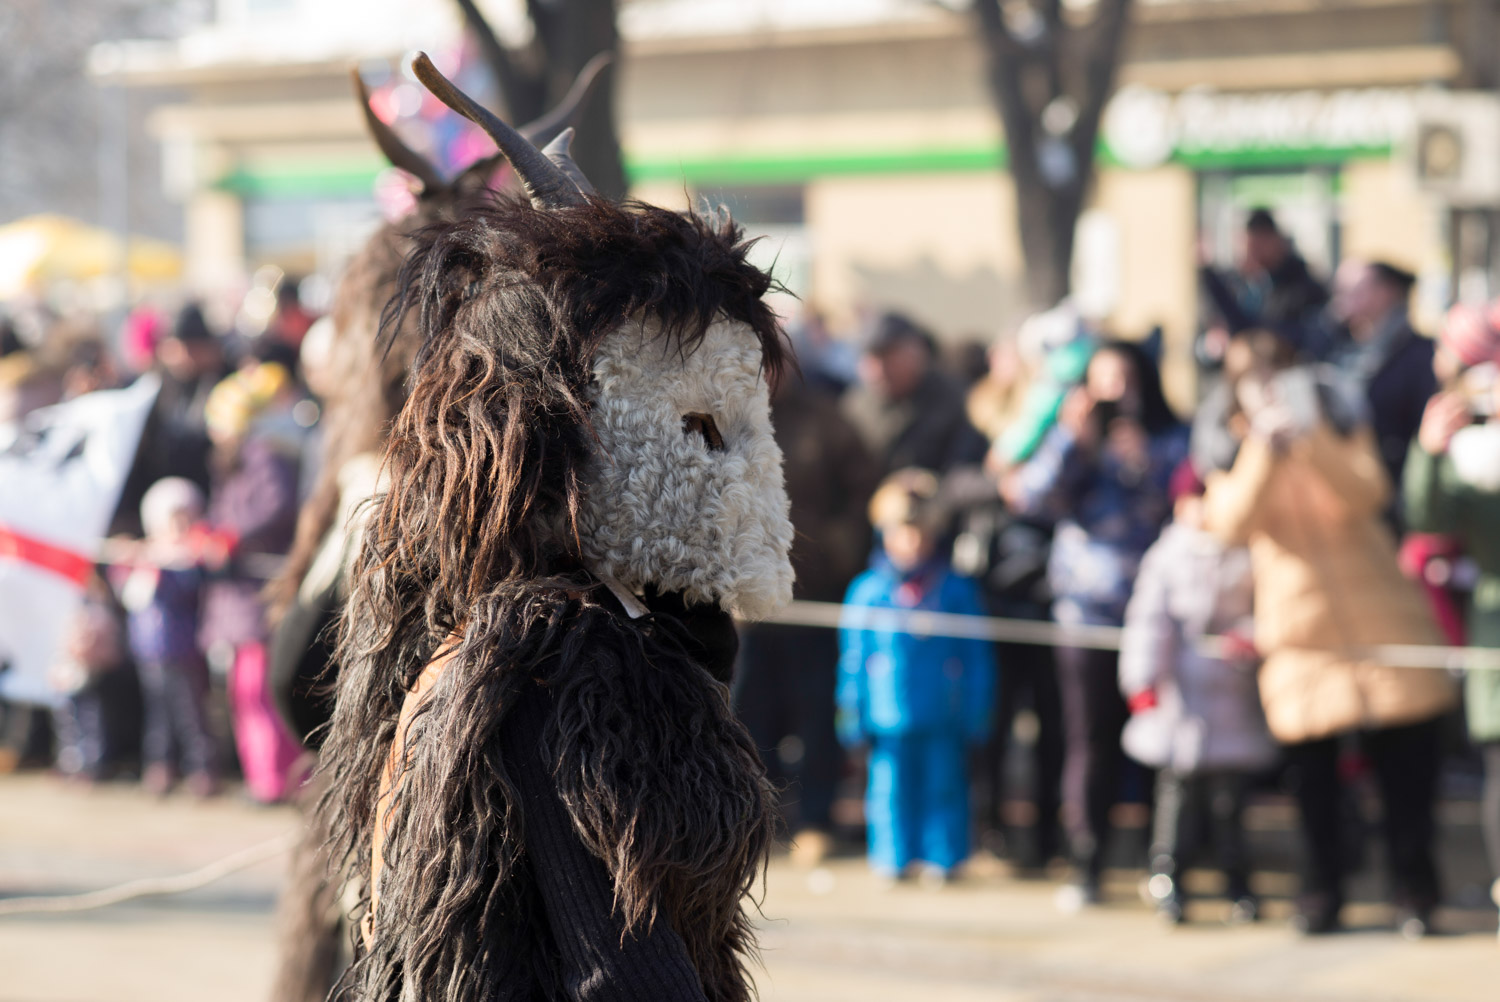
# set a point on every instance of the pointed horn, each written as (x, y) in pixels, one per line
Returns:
(397, 152)
(547, 186)
(545, 129)
(559, 151)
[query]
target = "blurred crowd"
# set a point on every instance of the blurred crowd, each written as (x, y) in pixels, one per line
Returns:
(1327, 506)
(1335, 492)
(164, 673)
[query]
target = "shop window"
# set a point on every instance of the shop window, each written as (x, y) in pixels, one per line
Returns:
(1305, 203)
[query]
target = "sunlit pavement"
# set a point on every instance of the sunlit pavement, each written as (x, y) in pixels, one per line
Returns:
(827, 935)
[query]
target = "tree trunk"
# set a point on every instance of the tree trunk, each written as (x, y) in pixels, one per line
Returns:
(534, 79)
(1047, 220)
(581, 30)
(1062, 72)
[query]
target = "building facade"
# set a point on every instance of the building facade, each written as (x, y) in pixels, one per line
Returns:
(859, 139)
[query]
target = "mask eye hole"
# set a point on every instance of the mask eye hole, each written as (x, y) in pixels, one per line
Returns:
(703, 425)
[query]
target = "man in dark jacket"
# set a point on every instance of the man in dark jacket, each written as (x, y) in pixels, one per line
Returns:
(1274, 289)
(1384, 357)
(906, 409)
(175, 441)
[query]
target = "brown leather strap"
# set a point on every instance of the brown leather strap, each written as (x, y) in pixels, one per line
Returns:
(395, 764)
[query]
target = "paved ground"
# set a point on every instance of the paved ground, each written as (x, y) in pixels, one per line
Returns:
(828, 936)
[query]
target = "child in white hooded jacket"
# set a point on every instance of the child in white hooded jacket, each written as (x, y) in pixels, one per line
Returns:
(1195, 712)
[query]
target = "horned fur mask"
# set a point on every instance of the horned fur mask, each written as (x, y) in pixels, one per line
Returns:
(584, 465)
(367, 384)
(639, 351)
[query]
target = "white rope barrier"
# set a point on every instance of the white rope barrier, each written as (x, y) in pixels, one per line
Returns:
(152, 886)
(923, 623)
(252, 565)
(825, 615)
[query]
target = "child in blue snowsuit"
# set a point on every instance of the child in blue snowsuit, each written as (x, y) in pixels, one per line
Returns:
(917, 702)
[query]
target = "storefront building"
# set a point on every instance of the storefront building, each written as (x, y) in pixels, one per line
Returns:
(863, 145)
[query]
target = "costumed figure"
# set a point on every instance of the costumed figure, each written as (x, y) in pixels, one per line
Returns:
(533, 773)
(362, 385)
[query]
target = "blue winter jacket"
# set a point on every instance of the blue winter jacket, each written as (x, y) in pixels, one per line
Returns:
(1107, 517)
(897, 683)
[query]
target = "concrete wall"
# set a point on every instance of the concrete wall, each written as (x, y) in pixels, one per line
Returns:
(941, 246)
(1155, 214)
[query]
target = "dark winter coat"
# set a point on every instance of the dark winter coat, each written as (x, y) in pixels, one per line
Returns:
(1287, 300)
(164, 629)
(1291, 297)
(929, 429)
(829, 477)
(256, 504)
(1395, 371)
(1107, 517)
(174, 443)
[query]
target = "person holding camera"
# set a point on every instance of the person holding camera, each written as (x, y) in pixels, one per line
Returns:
(1101, 473)
(1306, 494)
(1452, 487)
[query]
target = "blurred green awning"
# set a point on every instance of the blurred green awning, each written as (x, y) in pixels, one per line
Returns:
(356, 177)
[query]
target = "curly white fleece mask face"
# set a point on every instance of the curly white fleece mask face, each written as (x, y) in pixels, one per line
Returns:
(682, 503)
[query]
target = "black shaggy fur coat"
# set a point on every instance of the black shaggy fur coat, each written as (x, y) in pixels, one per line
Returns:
(578, 815)
(618, 816)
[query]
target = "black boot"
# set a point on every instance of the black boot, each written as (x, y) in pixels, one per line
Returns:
(1317, 913)
(1414, 915)
(1165, 889)
(1244, 906)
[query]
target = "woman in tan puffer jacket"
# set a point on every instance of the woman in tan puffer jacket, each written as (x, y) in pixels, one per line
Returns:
(1306, 496)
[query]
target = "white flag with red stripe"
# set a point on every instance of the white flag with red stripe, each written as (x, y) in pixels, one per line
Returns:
(61, 472)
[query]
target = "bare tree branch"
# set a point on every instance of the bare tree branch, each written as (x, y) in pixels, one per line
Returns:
(522, 89)
(567, 34)
(1051, 159)
(997, 35)
(1105, 43)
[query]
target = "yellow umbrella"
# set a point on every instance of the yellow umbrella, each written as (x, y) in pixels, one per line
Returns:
(38, 250)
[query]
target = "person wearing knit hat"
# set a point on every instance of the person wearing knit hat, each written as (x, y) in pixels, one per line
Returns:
(242, 397)
(907, 410)
(919, 703)
(1452, 489)
(253, 509)
(1195, 717)
(908, 498)
(1470, 337)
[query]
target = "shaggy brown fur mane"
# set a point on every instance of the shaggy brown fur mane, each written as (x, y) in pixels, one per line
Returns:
(477, 535)
(509, 290)
(367, 379)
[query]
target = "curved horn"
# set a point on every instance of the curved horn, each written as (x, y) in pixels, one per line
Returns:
(559, 151)
(397, 152)
(545, 129)
(546, 185)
